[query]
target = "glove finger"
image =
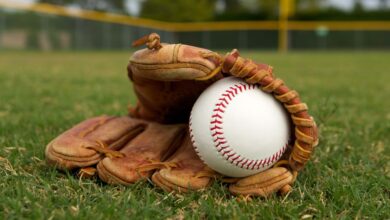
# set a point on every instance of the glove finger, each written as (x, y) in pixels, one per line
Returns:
(166, 185)
(264, 183)
(190, 172)
(142, 155)
(76, 147)
(156, 178)
(172, 62)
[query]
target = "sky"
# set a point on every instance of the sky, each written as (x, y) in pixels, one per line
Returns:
(133, 6)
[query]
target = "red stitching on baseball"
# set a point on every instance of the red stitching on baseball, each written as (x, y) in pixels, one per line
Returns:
(219, 110)
(221, 142)
(217, 133)
(231, 93)
(247, 166)
(216, 122)
(213, 128)
(246, 161)
(224, 100)
(221, 105)
(217, 115)
(239, 160)
(226, 152)
(253, 166)
(230, 155)
(243, 85)
(234, 90)
(222, 148)
(219, 139)
(227, 95)
(235, 158)
(269, 160)
(239, 87)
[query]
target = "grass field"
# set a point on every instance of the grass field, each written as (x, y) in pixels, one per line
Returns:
(43, 94)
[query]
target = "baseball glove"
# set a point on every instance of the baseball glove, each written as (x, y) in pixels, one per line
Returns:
(167, 80)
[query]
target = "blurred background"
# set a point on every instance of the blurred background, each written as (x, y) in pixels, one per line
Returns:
(218, 24)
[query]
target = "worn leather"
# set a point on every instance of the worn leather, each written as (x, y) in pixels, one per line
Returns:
(263, 184)
(71, 150)
(172, 62)
(151, 147)
(190, 172)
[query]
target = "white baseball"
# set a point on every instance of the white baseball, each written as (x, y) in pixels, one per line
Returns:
(237, 129)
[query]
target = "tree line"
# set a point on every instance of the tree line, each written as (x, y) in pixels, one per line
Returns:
(225, 10)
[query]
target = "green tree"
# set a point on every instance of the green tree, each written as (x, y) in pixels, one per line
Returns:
(233, 6)
(358, 6)
(311, 6)
(178, 10)
(269, 8)
(239, 10)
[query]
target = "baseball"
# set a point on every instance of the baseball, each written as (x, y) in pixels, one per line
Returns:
(237, 129)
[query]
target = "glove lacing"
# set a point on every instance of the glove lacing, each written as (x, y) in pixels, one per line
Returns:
(305, 128)
(152, 41)
(306, 136)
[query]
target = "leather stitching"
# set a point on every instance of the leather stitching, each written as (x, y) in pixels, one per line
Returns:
(152, 66)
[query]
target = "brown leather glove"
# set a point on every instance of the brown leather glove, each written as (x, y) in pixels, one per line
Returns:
(167, 82)
(155, 134)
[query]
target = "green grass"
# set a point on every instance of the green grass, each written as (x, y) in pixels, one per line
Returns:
(43, 94)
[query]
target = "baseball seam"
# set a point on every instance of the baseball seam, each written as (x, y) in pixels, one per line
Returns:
(220, 142)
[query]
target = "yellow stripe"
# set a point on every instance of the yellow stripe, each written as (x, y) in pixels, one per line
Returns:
(340, 25)
(195, 26)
